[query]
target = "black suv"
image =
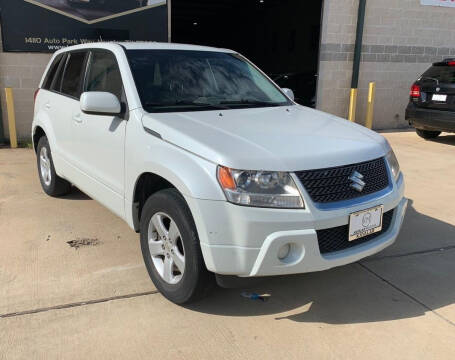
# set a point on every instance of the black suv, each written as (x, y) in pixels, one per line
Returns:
(431, 108)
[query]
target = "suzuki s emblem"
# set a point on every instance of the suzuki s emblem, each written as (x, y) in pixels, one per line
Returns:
(438, 89)
(357, 181)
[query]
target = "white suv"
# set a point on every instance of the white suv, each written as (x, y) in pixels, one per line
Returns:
(219, 170)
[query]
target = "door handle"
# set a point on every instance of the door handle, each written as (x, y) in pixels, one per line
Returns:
(47, 106)
(77, 118)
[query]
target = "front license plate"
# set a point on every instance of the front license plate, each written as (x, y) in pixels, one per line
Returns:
(439, 97)
(365, 222)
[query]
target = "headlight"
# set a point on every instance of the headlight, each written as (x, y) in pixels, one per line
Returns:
(394, 165)
(260, 188)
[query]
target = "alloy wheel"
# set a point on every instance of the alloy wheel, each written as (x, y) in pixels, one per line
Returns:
(166, 248)
(45, 166)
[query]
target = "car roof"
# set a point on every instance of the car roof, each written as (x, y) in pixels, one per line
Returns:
(146, 45)
(169, 46)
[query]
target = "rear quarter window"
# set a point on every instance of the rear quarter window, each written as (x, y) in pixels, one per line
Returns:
(51, 72)
(56, 83)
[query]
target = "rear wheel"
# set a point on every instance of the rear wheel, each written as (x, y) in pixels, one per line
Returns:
(171, 250)
(51, 183)
(427, 134)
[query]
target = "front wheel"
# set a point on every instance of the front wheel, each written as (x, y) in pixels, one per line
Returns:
(427, 134)
(171, 250)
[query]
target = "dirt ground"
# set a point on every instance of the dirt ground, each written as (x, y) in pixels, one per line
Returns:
(73, 284)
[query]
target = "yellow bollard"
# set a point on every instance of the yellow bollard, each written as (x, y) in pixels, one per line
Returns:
(11, 117)
(370, 108)
(352, 105)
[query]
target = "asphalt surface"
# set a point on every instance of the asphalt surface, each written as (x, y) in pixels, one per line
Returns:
(73, 284)
(90, 12)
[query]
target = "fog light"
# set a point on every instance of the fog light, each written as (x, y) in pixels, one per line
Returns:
(284, 251)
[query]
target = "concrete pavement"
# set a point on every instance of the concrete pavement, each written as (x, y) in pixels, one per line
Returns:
(96, 301)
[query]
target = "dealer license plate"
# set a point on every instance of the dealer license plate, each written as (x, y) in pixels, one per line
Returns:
(439, 97)
(365, 222)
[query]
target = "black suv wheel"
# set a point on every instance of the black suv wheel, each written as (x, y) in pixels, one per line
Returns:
(427, 134)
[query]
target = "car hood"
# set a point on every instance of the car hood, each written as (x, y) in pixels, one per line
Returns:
(274, 138)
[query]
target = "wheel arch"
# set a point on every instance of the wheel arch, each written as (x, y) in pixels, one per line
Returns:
(147, 184)
(38, 133)
(167, 166)
(42, 125)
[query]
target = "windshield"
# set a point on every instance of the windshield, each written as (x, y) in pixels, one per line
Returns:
(182, 80)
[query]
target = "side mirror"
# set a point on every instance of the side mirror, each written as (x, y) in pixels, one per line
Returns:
(289, 93)
(100, 103)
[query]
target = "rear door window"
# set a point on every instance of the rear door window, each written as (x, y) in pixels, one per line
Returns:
(104, 74)
(74, 73)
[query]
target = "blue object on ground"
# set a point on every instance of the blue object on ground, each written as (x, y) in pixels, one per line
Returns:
(253, 296)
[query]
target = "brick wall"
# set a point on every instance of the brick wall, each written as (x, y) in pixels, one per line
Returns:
(22, 72)
(401, 40)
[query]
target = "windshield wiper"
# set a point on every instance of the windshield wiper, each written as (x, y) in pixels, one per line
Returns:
(251, 103)
(430, 78)
(186, 103)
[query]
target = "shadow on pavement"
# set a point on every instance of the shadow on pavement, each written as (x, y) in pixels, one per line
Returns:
(447, 139)
(420, 233)
(76, 194)
(349, 294)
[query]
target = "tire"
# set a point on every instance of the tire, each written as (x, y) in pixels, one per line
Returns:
(52, 184)
(168, 208)
(427, 134)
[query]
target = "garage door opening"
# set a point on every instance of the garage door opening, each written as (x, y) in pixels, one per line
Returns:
(280, 36)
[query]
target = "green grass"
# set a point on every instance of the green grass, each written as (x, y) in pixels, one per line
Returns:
(21, 144)
(25, 144)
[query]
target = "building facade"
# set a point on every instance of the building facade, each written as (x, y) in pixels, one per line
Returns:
(22, 72)
(401, 39)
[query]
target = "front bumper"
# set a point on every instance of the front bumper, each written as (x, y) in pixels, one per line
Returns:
(245, 241)
(429, 119)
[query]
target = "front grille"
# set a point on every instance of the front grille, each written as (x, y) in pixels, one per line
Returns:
(333, 184)
(337, 238)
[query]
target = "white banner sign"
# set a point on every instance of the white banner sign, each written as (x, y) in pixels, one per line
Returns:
(447, 3)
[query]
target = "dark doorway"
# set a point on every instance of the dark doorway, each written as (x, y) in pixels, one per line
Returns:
(280, 36)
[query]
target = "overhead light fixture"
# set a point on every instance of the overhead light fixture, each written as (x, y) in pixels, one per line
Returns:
(261, 1)
(195, 23)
